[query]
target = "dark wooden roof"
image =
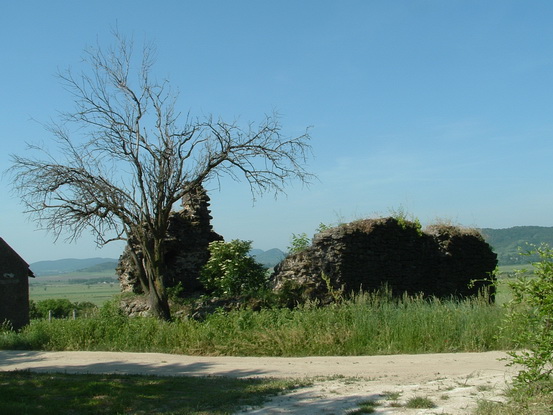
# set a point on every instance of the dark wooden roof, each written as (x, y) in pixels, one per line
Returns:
(9, 253)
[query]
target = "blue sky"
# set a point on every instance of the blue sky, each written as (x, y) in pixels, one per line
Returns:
(441, 108)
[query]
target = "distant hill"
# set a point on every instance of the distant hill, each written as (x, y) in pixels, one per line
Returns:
(268, 258)
(504, 242)
(102, 267)
(64, 266)
(507, 243)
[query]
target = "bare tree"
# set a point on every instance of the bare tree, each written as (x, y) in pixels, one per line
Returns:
(131, 157)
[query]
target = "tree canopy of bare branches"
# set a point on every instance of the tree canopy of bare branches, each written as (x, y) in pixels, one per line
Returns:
(125, 155)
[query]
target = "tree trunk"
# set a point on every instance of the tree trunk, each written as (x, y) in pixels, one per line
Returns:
(142, 277)
(158, 301)
(153, 263)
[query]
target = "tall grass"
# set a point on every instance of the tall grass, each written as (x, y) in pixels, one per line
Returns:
(527, 399)
(368, 324)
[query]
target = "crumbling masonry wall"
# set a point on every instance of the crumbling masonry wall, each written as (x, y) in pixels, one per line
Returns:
(188, 237)
(367, 254)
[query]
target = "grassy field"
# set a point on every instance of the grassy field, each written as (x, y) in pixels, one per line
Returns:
(84, 286)
(95, 287)
(95, 293)
(367, 325)
(73, 278)
(509, 271)
(63, 394)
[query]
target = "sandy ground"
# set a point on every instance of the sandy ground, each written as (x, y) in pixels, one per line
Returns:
(453, 381)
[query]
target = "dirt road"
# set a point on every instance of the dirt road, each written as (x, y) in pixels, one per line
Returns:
(453, 381)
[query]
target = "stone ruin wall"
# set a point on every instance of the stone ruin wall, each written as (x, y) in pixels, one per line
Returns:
(441, 261)
(188, 237)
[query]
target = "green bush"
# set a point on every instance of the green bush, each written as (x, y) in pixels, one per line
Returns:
(406, 220)
(6, 326)
(60, 308)
(85, 308)
(298, 242)
(532, 308)
(230, 271)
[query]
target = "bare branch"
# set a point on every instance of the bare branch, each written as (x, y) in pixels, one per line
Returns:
(124, 157)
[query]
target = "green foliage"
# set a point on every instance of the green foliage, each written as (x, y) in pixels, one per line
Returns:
(323, 227)
(532, 308)
(60, 308)
(64, 394)
(509, 243)
(365, 407)
(230, 271)
(95, 293)
(524, 399)
(419, 402)
(85, 308)
(111, 310)
(405, 220)
(299, 242)
(175, 293)
(337, 294)
(6, 326)
(368, 324)
(290, 294)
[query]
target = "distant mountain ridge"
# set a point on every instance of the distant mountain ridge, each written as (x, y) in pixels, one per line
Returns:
(268, 258)
(508, 243)
(64, 266)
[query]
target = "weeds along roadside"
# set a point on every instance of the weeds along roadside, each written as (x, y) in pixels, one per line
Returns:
(368, 324)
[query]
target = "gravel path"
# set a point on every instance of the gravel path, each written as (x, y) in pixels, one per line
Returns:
(453, 381)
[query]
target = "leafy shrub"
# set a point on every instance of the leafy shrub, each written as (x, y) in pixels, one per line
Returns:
(85, 308)
(299, 242)
(111, 310)
(176, 293)
(406, 220)
(230, 271)
(6, 326)
(60, 308)
(532, 308)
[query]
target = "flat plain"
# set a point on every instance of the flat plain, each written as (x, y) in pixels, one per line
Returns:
(95, 287)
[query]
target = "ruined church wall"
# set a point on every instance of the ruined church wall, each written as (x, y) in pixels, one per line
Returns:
(366, 254)
(188, 237)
